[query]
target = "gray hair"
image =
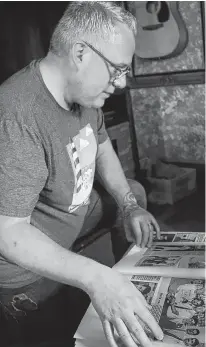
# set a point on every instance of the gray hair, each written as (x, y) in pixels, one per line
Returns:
(90, 21)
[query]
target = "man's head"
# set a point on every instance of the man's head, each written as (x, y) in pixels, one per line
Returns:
(199, 309)
(196, 302)
(192, 331)
(191, 341)
(93, 45)
(198, 281)
(190, 321)
(144, 289)
(199, 291)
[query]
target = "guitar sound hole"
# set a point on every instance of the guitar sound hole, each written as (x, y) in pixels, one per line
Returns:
(164, 13)
(160, 9)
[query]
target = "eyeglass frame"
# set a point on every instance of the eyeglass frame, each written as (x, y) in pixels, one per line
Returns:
(122, 71)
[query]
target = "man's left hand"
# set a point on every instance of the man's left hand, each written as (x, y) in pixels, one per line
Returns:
(140, 226)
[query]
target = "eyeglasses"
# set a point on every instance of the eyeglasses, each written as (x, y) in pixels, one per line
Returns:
(118, 72)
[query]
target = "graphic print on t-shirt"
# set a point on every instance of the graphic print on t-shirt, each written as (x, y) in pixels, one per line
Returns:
(82, 151)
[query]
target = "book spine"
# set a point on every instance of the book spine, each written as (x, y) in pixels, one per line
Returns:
(164, 272)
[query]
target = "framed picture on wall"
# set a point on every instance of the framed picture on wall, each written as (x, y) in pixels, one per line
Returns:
(169, 43)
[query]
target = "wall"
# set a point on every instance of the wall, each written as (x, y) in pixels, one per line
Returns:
(25, 30)
(169, 121)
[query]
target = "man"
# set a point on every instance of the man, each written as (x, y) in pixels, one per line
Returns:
(179, 310)
(52, 140)
(172, 337)
(186, 291)
(191, 341)
(190, 321)
(197, 302)
(192, 331)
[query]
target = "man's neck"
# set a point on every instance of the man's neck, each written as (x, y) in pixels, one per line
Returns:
(54, 82)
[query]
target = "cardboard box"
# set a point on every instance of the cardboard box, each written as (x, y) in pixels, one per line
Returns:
(168, 191)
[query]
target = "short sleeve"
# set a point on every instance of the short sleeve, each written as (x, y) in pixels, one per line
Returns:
(23, 170)
(102, 133)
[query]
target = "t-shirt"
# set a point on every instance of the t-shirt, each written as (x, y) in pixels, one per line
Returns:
(47, 162)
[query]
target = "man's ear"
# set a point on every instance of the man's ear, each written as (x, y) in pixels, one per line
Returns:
(80, 53)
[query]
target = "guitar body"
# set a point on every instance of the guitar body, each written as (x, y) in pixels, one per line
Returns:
(161, 32)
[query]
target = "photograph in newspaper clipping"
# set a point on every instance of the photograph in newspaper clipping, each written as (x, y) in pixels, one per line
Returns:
(178, 304)
(181, 238)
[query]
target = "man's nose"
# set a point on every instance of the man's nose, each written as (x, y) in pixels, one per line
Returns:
(120, 82)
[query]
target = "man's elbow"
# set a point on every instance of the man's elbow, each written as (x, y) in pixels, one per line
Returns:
(9, 235)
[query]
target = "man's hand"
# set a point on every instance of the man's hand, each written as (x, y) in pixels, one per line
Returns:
(174, 310)
(139, 224)
(121, 306)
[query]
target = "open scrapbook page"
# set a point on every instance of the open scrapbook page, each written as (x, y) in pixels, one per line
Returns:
(171, 277)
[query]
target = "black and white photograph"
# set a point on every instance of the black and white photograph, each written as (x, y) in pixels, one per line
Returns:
(102, 173)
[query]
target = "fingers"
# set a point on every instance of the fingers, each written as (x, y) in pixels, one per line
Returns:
(143, 229)
(137, 331)
(137, 232)
(146, 230)
(130, 330)
(156, 228)
(124, 334)
(126, 330)
(148, 318)
(109, 333)
(129, 235)
(143, 232)
(150, 240)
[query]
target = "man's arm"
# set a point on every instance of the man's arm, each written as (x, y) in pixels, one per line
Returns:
(28, 247)
(115, 299)
(137, 220)
(111, 173)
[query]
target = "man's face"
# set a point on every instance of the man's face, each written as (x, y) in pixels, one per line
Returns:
(189, 341)
(94, 80)
(199, 289)
(192, 331)
(198, 281)
(200, 309)
(188, 321)
(196, 302)
(141, 287)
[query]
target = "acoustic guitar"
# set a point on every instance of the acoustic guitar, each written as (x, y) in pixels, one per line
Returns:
(161, 31)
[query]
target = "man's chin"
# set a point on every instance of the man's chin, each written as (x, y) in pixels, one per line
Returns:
(99, 102)
(95, 103)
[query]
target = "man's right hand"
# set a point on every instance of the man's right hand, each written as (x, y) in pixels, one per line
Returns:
(121, 306)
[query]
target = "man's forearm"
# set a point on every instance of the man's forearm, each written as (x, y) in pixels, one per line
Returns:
(112, 176)
(29, 248)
